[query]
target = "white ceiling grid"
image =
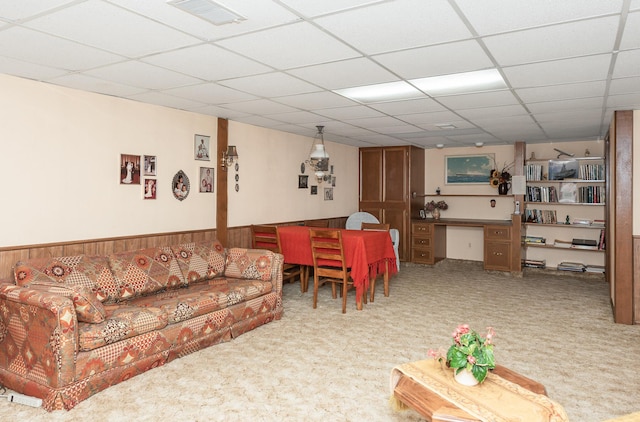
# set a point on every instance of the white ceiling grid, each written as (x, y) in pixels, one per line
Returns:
(567, 64)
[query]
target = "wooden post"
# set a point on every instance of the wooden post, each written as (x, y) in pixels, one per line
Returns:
(222, 200)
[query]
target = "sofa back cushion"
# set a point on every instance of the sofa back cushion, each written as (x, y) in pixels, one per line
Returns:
(249, 264)
(145, 271)
(92, 272)
(200, 260)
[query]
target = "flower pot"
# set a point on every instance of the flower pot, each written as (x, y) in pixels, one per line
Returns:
(465, 377)
(436, 214)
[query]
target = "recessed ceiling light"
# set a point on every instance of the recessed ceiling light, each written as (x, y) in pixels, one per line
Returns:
(446, 126)
(439, 146)
(391, 91)
(208, 10)
(479, 144)
(461, 83)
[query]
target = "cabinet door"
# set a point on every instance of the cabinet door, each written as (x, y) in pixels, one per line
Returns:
(371, 175)
(395, 175)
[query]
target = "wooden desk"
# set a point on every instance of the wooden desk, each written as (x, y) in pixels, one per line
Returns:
(436, 409)
(368, 253)
(501, 241)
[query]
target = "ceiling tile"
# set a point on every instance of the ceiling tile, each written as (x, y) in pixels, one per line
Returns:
(494, 16)
(16, 10)
(270, 85)
(428, 118)
(150, 36)
(481, 99)
(142, 75)
(316, 101)
(260, 106)
(295, 117)
(624, 86)
(375, 122)
(627, 64)
(34, 47)
(562, 105)
(294, 45)
(415, 23)
(29, 70)
(210, 93)
(207, 62)
(487, 112)
(89, 83)
(344, 74)
(591, 68)
(456, 57)
(562, 92)
(347, 113)
(554, 42)
(399, 108)
(315, 8)
(158, 98)
(631, 35)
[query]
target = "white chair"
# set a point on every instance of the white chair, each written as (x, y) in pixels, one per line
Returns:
(355, 220)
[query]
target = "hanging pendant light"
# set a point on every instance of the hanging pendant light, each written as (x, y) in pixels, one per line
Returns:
(318, 157)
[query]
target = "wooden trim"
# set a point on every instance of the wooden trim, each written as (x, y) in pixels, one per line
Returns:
(222, 200)
(621, 153)
(636, 276)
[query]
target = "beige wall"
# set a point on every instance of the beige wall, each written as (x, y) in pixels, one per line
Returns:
(60, 153)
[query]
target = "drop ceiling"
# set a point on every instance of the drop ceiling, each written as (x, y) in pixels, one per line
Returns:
(567, 64)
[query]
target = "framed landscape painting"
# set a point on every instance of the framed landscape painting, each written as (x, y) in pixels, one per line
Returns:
(468, 169)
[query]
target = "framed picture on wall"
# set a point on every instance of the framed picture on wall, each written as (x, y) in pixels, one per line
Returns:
(303, 181)
(206, 179)
(468, 169)
(201, 147)
(328, 194)
(149, 165)
(180, 185)
(314, 190)
(149, 188)
(129, 169)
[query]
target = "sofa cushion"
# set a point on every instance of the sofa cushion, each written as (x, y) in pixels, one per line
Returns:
(200, 260)
(253, 264)
(202, 298)
(122, 322)
(88, 307)
(92, 272)
(145, 271)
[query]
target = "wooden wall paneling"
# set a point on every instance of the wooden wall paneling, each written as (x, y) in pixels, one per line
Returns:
(636, 276)
(8, 260)
(222, 200)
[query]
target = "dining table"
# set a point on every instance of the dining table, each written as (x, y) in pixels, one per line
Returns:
(368, 253)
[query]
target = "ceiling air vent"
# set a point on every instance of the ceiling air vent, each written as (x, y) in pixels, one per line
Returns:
(208, 10)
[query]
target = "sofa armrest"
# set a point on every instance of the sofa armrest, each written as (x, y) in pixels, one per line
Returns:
(38, 337)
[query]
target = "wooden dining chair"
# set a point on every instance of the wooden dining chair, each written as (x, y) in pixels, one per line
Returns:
(267, 237)
(316, 223)
(329, 264)
(372, 285)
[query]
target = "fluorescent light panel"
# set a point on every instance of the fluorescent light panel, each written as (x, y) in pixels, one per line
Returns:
(391, 91)
(457, 83)
(208, 10)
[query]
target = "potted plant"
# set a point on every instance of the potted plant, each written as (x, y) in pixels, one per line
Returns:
(434, 208)
(470, 355)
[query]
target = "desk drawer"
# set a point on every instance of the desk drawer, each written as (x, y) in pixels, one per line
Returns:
(421, 228)
(422, 256)
(421, 242)
(497, 233)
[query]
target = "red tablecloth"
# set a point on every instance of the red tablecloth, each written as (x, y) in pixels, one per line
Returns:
(366, 252)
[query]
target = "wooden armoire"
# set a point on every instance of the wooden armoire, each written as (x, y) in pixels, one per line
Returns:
(388, 176)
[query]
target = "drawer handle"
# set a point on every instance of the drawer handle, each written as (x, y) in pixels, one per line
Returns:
(422, 242)
(423, 255)
(498, 253)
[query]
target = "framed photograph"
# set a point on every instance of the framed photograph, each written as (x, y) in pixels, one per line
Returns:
(328, 194)
(314, 190)
(129, 169)
(333, 181)
(563, 169)
(201, 147)
(568, 193)
(303, 181)
(206, 179)
(423, 214)
(468, 169)
(180, 186)
(149, 162)
(149, 188)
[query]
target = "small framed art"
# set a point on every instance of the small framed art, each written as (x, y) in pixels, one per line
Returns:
(206, 179)
(129, 169)
(201, 147)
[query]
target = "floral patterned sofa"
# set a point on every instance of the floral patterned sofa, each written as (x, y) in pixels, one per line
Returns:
(72, 326)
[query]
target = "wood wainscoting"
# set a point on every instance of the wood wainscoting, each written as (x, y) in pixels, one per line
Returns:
(239, 237)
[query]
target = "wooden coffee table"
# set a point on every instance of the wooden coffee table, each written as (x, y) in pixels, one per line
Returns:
(436, 409)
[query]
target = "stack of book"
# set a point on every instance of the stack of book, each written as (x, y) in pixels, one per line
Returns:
(571, 266)
(534, 263)
(541, 216)
(533, 171)
(584, 244)
(529, 240)
(562, 243)
(594, 269)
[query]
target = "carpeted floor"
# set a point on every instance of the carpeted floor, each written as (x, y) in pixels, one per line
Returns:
(321, 365)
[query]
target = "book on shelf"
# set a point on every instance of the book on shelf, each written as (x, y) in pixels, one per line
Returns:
(534, 263)
(601, 240)
(571, 266)
(582, 221)
(534, 240)
(584, 242)
(540, 216)
(594, 268)
(562, 243)
(585, 247)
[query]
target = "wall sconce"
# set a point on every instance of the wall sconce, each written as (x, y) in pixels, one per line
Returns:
(318, 157)
(228, 156)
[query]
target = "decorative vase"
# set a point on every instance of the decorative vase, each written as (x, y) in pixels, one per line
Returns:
(503, 188)
(436, 214)
(465, 377)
